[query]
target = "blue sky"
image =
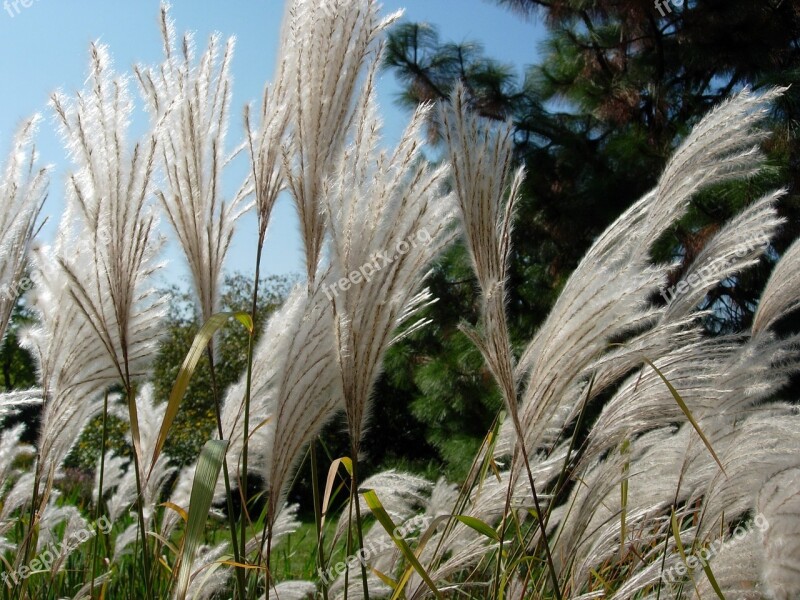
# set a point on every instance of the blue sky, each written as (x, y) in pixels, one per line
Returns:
(43, 47)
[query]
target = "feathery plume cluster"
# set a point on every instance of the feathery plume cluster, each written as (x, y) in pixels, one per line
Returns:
(108, 204)
(659, 469)
(294, 389)
(727, 382)
(23, 188)
(324, 48)
(376, 201)
(98, 315)
(189, 101)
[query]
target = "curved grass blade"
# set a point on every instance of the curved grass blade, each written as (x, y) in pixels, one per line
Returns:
(348, 466)
(386, 522)
(676, 533)
(201, 340)
(423, 541)
(687, 412)
(624, 500)
(713, 580)
(205, 480)
(478, 526)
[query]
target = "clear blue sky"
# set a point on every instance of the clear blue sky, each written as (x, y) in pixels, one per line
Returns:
(44, 47)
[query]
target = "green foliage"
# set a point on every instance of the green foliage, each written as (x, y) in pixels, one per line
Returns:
(19, 369)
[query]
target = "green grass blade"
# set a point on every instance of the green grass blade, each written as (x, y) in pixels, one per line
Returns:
(386, 522)
(423, 541)
(201, 341)
(624, 500)
(686, 412)
(205, 480)
(713, 581)
(478, 526)
(676, 533)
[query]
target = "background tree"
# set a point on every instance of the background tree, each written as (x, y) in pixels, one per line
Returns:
(19, 369)
(617, 87)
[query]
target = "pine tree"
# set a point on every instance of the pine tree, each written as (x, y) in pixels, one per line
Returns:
(618, 86)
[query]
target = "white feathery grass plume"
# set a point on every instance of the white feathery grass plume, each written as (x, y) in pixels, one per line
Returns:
(233, 419)
(453, 551)
(23, 189)
(759, 447)
(461, 548)
(295, 390)
(388, 218)
(11, 449)
(286, 522)
(189, 102)
(295, 590)
(401, 494)
(380, 553)
(73, 363)
(735, 569)
(737, 245)
(753, 372)
(643, 402)
(780, 296)
(608, 294)
(303, 391)
(779, 505)
(609, 297)
(325, 45)
(11, 402)
(115, 471)
(265, 143)
(211, 576)
(84, 593)
(15, 498)
(482, 161)
(590, 533)
(762, 446)
(76, 532)
(110, 220)
(377, 587)
(123, 543)
(52, 516)
(107, 250)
